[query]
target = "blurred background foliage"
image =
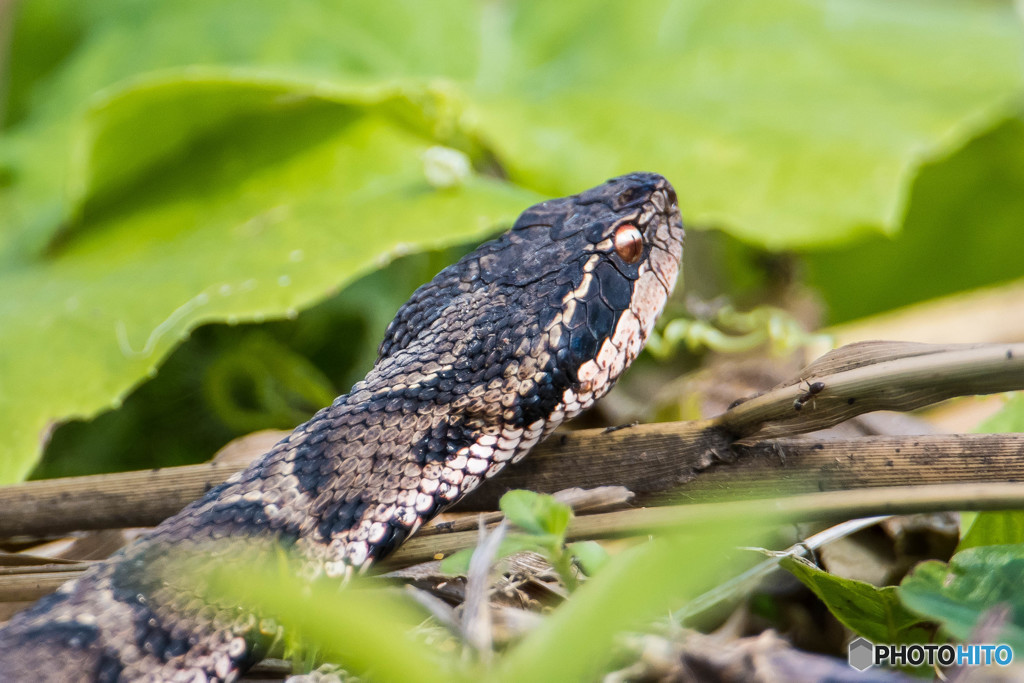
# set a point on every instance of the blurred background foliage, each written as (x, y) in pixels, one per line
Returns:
(209, 211)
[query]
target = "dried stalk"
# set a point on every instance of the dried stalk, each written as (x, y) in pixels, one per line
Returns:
(826, 507)
(18, 582)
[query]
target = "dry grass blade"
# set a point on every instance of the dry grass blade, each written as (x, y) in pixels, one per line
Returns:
(739, 585)
(22, 584)
(103, 501)
(868, 376)
(476, 610)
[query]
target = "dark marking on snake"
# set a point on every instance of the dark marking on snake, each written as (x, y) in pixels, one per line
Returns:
(480, 364)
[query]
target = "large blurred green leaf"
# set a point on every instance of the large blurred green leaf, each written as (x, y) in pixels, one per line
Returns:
(788, 123)
(993, 527)
(361, 626)
(962, 231)
(370, 629)
(265, 213)
(175, 163)
(172, 413)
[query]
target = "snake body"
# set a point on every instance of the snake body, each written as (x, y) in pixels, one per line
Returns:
(476, 368)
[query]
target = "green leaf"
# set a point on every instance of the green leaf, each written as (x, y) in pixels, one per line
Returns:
(181, 108)
(873, 612)
(537, 513)
(457, 564)
(576, 642)
(958, 595)
(741, 104)
(591, 556)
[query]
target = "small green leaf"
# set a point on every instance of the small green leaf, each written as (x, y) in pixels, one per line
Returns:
(458, 563)
(537, 513)
(590, 555)
(873, 612)
(960, 593)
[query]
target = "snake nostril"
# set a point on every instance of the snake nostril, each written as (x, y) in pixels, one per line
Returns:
(628, 196)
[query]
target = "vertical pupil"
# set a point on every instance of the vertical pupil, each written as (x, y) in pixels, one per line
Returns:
(628, 243)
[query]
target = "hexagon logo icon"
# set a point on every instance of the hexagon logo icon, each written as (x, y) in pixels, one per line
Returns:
(862, 654)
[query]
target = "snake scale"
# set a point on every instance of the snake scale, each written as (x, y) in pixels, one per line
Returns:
(476, 368)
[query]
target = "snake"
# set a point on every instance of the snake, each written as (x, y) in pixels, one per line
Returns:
(477, 367)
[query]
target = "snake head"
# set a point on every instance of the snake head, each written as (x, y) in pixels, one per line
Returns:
(616, 250)
(556, 307)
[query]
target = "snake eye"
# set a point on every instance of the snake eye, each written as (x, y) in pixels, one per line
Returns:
(629, 243)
